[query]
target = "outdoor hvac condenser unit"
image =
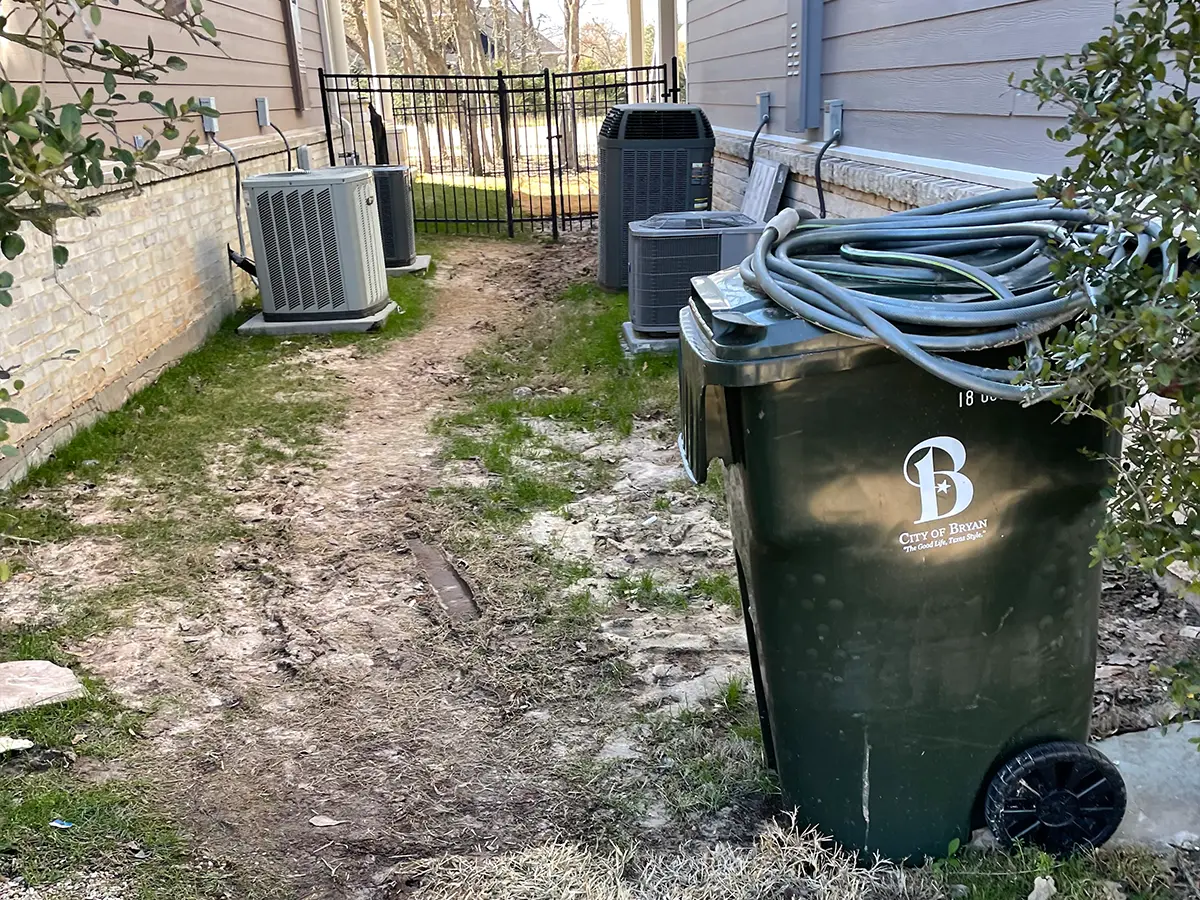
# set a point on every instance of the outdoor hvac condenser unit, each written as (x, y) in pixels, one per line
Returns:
(668, 250)
(654, 158)
(393, 187)
(317, 244)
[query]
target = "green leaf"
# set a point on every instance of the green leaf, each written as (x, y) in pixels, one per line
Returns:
(6, 279)
(53, 155)
(176, 63)
(5, 571)
(8, 99)
(110, 83)
(61, 255)
(70, 121)
(5, 299)
(8, 414)
(96, 16)
(29, 99)
(208, 27)
(8, 450)
(25, 130)
(149, 47)
(12, 245)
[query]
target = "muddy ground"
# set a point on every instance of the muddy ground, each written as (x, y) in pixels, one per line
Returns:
(323, 677)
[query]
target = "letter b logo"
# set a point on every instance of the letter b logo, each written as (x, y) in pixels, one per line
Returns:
(935, 483)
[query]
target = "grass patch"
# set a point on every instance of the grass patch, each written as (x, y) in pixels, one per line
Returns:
(235, 398)
(566, 368)
(479, 202)
(115, 829)
(709, 757)
(96, 724)
(720, 588)
(572, 369)
(1010, 876)
(643, 591)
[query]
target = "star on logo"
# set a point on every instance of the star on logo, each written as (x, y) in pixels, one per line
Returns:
(943, 487)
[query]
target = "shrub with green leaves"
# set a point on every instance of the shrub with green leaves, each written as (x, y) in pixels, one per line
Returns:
(58, 153)
(1130, 102)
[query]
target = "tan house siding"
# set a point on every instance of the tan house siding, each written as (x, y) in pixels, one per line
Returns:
(251, 62)
(925, 78)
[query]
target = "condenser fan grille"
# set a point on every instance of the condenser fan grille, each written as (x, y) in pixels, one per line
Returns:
(665, 125)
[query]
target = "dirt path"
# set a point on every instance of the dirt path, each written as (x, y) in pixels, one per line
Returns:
(322, 679)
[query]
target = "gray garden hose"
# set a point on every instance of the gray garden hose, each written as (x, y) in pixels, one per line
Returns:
(945, 279)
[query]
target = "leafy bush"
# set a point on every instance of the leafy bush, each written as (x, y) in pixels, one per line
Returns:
(1130, 101)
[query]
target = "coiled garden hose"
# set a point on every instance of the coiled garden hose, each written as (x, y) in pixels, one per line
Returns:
(966, 275)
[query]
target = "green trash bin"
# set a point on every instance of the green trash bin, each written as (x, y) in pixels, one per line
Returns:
(915, 566)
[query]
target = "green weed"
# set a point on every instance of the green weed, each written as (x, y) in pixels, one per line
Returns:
(643, 591)
(1010, 876)
(720, 588)
(710, 756)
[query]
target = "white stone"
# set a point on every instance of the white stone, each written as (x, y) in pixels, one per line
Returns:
(32, 682)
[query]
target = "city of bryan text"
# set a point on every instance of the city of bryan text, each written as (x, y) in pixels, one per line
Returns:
(954, 533)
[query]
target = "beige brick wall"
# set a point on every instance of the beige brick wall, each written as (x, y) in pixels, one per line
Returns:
(852, 189)
(147, 281)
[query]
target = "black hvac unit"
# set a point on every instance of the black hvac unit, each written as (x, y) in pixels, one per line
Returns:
(654, 158)
(393, 190)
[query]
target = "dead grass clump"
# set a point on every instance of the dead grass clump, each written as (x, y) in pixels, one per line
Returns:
(783, 862)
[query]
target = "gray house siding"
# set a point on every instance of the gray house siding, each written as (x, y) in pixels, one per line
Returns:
(924, 78)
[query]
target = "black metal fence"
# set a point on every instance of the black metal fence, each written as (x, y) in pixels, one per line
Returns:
(489, 153)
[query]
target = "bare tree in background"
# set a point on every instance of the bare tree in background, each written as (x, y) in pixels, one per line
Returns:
(601, 46)
(571, 43)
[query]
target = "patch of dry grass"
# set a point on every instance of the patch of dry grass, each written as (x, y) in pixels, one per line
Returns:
(783, 862)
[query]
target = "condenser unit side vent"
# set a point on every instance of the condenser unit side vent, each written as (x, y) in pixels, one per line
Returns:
(317, 243)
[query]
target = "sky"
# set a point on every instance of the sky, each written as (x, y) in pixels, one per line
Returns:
(612, 11)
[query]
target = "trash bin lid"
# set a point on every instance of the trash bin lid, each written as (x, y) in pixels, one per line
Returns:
(742, 324)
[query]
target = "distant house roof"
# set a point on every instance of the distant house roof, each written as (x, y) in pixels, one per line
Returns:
(516, 25)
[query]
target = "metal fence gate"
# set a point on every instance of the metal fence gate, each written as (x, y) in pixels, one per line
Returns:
(489, 153)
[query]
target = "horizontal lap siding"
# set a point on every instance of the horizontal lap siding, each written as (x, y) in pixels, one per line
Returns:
(920, 77)
(930, 77)
(251, 62)
(735, 50)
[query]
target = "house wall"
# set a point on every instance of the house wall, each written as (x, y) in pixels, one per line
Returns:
(148, 280)
(252, 61)
(926, 78)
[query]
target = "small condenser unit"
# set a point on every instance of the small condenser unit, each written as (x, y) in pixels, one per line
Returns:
(317, 244)
(668, 250)
(393, 187)
(654, 158)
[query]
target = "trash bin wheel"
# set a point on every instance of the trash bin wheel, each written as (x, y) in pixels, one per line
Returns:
(1061, 796)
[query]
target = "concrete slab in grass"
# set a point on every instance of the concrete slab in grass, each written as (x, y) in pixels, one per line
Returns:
(636, 343)
(259, 325)
(418, 266)
(26, 683)
(1162, 777)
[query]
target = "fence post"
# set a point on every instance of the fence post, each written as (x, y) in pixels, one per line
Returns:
(325, 108)
(505, 152)
(550, 152)
(674, 79)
